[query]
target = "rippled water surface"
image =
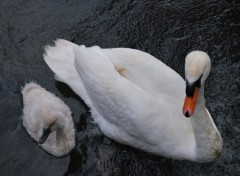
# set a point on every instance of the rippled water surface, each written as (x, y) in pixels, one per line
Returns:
(165, 29)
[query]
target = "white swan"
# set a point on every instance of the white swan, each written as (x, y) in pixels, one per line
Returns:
(137, 100)
(48, 120)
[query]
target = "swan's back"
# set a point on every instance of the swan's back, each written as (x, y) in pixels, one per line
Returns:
(137, 99)
(146, 71)
(38, 104)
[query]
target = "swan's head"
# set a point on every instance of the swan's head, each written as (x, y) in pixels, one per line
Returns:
(197, 69)
(54, 121)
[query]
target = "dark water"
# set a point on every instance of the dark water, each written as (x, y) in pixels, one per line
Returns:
(165, 29)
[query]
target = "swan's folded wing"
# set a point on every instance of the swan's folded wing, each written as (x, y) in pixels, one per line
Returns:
(146, 71)
(121, 102)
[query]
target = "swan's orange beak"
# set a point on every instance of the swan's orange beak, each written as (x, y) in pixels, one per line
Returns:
(190, 103)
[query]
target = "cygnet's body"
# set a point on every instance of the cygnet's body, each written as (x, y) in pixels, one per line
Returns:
(48, 120)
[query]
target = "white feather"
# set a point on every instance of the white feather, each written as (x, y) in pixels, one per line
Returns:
(134, 98)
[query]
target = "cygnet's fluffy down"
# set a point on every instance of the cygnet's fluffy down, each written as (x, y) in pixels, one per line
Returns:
(48, 120)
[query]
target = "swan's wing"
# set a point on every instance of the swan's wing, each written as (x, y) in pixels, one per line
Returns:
(147, 72)
(60, 59)
(122, 103)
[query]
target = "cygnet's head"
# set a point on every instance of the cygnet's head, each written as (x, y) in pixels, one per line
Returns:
(29, 87)
(54, 121)
(197, 69)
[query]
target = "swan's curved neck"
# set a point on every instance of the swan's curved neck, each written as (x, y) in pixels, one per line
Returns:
(208, 140)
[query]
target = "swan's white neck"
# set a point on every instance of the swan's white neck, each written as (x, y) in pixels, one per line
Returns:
(208, 140)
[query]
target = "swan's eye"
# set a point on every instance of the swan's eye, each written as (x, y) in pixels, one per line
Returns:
(198, 82)
(190, 87)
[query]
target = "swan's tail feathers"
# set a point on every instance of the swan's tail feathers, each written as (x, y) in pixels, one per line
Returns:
(60, 59)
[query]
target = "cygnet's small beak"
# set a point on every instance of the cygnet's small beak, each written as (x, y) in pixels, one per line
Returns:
(190, 103)
(45, 135)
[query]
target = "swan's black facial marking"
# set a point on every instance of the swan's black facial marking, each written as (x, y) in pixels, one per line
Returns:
(190, 87)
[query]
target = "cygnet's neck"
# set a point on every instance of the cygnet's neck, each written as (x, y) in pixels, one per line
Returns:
(208, 140)
(55, 121)
(60, 124)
